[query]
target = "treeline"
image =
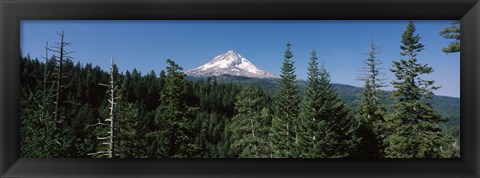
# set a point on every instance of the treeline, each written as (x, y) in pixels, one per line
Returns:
(66, 111)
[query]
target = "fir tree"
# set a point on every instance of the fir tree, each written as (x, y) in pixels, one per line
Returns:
(452, 32)
(284, 123)
(415, 123)
(174, 116)
(39, 136)
(248, 133)
(128, 139)
(310, 120)
(39, 139)
(337, 134)
(371, 112)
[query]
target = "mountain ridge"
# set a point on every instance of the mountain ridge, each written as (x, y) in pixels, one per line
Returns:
(302, 82)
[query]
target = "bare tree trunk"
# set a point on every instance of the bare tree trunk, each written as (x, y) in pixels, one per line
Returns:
(110, 122)
(63, 55)
(59, 80)
(112, 111)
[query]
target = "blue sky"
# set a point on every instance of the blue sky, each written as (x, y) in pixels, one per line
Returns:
(341, 45)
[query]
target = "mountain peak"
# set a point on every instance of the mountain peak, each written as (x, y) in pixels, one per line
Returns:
(230, 56)
(230, 63)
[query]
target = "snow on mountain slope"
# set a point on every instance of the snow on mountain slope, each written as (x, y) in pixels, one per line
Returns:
(230, 63)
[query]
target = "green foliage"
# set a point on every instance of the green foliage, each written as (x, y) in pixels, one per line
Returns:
(337, 139)
(451, 148)
(249, 134)
(452, 32)
(371, 111)
(175, 116)
(311, 122)
(284, 124)
(128, 138)
(216, 108)
(414, 124)
(39, 138)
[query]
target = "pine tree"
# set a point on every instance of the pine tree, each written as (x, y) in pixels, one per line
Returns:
(310, 120)
(39, 138)
(129, 142)
(452, 32)
(337, 134)
(37, 132)
(371, 112)
(174, 116)
(248, 132)
(284, 124)
(216, 108)
(415, 123)
(41, 92)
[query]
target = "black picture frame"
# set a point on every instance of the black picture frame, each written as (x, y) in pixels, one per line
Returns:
(12, 11)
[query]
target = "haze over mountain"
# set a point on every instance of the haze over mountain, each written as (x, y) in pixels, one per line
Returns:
(230, 63)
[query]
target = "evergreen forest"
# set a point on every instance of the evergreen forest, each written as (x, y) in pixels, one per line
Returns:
(75, 110)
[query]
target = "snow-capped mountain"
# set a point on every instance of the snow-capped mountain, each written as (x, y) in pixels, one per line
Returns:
(230, 63)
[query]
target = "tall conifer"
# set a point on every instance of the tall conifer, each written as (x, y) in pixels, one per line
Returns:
(415, 123)
(337, 134)
(371, 112)
(174, 116)
(284, 124)
(310, 120)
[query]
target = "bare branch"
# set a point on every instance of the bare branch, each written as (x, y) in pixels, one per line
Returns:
(103, 84)
(99, 123)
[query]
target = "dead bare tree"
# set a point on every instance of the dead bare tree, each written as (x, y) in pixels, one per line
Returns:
(108, 140)
(62, 56)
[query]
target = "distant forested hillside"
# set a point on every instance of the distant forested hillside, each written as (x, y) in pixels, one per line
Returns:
(444, 105)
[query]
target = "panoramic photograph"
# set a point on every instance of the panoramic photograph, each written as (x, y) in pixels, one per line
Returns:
(305, 89)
